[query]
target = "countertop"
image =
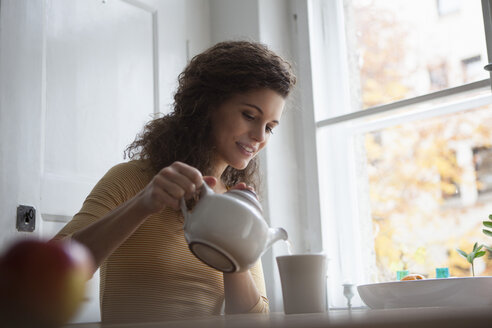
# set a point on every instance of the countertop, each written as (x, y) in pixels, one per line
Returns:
(357, 318)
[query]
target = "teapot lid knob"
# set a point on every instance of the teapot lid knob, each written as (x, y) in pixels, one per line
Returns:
(247, 195)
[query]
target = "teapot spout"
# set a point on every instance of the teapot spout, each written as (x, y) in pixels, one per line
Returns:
(276, 234)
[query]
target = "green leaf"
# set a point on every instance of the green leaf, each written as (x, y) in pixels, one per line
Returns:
(475, 247)
(462, 253)
(479, 248)
(487, 232)
(487, 224)
(480, 254)
(490, 217)
(470, 258)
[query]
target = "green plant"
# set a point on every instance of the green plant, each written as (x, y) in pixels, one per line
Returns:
(470, 257)
(488, 224)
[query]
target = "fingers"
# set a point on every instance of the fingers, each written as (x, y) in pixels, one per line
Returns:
(168, 200)
(180, 180)
(170, 185)
(211, 181)
(175, 184)
(177, 181)
(243, 186)
(189, 172)
(155, 198)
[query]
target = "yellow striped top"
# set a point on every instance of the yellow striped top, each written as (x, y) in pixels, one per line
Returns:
(152, 276)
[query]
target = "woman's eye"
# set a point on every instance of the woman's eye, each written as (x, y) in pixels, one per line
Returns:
(269, 130)
(248, 116)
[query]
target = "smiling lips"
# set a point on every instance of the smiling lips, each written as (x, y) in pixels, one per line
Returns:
(246, 149)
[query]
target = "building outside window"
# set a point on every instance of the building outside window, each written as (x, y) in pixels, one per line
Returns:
(472, 69)
(404, 152)
(448, 7)
(482, 158)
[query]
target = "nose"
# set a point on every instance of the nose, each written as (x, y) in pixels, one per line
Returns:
(258, 133)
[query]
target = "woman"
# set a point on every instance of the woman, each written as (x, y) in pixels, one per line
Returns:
(228, 101)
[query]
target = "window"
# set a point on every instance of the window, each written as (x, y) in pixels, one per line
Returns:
(404, 138)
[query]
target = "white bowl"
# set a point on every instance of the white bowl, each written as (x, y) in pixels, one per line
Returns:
(446, 292)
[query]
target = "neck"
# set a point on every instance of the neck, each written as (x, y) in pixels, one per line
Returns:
(218, 169)
(217, 173)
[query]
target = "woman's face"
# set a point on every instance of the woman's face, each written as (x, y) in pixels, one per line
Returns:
(242, 125)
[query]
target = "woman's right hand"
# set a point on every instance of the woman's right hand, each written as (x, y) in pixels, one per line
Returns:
(170, 185)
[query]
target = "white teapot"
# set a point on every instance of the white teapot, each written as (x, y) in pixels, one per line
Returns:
(227, 231)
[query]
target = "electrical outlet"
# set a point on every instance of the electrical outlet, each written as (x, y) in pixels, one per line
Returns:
(26, 218)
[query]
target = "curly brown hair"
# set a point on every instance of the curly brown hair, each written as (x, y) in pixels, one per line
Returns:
(212, 77)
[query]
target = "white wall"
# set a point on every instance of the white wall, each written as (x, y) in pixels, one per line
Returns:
(234, 20)
(183, 31)
(280, 163)
(198, 26)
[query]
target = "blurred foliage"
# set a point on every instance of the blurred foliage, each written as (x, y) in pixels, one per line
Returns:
(413, 170)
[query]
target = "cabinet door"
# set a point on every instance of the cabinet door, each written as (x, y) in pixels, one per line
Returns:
(100, 90)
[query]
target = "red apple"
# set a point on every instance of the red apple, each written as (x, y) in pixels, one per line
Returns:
(42, 284)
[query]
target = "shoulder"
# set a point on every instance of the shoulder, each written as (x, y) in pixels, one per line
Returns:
(132, 175)
(140, 168)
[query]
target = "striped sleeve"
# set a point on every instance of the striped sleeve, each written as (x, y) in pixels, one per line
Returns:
(118, 185)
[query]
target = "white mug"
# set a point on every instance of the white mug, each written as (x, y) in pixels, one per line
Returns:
(303, 279)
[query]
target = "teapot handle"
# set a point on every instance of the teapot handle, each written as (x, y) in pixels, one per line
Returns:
(205, 191)
(184, 209)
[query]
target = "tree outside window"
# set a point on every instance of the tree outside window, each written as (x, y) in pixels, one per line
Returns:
(426, 178)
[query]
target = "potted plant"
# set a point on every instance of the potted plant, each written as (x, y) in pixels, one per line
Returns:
(477, 252)
(474, 254)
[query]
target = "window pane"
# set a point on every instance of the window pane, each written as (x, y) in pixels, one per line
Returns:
(410, 48)
(430, 188)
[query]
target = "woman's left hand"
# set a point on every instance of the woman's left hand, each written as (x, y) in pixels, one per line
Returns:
(243, 186)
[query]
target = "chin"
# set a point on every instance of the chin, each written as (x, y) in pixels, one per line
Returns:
(240, 162)
(240, 165)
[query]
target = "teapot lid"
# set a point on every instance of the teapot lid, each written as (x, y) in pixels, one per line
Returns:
(248, 196)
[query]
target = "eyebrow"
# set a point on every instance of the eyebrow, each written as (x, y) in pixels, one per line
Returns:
(260, 110)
